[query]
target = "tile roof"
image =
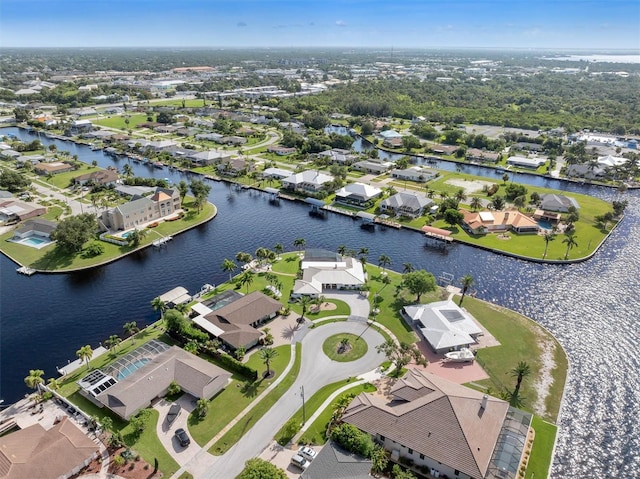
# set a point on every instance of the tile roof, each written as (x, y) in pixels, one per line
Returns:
(333, 462)
(443, 421)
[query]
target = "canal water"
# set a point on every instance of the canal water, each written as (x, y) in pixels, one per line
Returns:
(591, 307)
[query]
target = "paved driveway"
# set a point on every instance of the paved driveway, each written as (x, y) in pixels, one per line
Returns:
(316, 371)
(165, 431)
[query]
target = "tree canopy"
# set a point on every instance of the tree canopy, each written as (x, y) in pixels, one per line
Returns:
(419, 282)
(73, 232)
(257, 468)
(13, 181)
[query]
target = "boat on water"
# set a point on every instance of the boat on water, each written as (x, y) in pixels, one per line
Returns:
(464, 355)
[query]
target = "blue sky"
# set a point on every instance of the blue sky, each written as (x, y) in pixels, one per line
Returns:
(573, 24)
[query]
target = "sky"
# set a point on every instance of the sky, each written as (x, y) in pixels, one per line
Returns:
(532, 24)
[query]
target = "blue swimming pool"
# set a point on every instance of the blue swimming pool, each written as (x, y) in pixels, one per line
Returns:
(34, 241)
(545, 225)
(132, 367)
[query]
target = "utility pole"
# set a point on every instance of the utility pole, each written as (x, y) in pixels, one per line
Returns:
(304, 415)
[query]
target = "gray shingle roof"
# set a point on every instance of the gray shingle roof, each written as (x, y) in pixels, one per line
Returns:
(333, 462)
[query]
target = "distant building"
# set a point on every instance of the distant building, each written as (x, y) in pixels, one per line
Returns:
(406, 204)
(143, 210)
(357, 194)
(306, 181)
(559, 203)
(498, 222)
(101, 177)
(522, 162)
(12, 209)
(52, 168)
(415, 173)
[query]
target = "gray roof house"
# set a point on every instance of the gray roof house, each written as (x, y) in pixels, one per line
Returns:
(37, 227)
(447, 428)
(443, 324)
(415, 173)
(333, 462)
(126, 388)
(357, 193)
(406, 204)
(559, 203)
(209, 157)
(309, 180)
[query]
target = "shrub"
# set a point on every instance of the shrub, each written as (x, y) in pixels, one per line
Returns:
(352, 439)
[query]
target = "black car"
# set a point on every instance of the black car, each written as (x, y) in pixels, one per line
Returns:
(174, 412)
(183, 439)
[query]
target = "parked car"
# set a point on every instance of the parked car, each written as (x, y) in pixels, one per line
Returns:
(183, 439)
(306, 452)
(174, 412)
(300, 462)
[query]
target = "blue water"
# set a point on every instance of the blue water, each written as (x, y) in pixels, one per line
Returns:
(545, 225)
(590, 307)
(32, 240)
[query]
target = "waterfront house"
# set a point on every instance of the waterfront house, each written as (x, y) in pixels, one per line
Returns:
(406, 204)
(276, 173)
(101, 177)
(443, 324)
(358, 194)
(310, 181)
(475, 154)
(445, 428)
(392, 143)
(281, 150)
(125, 387)
(376, 167)
(239, 319)
(56, 453)
(522, 162)
(53, 168)
(338, 156)
(415, 173)
(483, 222)
(234, 167)
(36, 227)
(79, 127)
(143, 210)
(209, 157)
(324, 270)
(559, 203)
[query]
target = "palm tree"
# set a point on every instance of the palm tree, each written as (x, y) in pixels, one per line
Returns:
(570, 241)
(158, 305)
(246, 279)
(261, 254)
(548, 238)
(113, 342)
(266, 355)
(384, 261)
(460, 195)
(127, 170)
(131, 328)
(85, 353)
(407, 268)
(521, 371)
(342, 250)
(299, 243)
(505, 178)
(228, 266)
(34, 379)
(467, 280)
(476, 203)
(244, 258)
(363, 252)
(278, 248)
(305, 302)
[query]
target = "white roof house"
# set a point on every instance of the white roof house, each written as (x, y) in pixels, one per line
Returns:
(523, 162)
(309, 180)
(326, 270)
(406, 203)
(444, 325)
(357, 193)
(388, 134)
(611, 161)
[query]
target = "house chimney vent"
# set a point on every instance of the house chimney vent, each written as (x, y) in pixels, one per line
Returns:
(483, 404)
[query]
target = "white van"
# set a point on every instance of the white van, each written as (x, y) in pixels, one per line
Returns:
(300, 462)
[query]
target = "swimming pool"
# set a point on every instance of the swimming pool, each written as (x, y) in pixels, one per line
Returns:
(34, 241)
(132, 367)
(545, 225)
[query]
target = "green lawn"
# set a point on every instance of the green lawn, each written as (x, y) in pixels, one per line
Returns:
(118, 121)
(50, 258)
(520, 340)
(540, 459)
(355, 350)
(235, 397)
(246, 423)
(63, 180)
(315, 434)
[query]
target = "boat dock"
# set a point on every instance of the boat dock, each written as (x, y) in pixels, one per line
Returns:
(162, 241)
(26, 270)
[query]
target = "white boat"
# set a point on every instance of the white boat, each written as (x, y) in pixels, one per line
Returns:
(462, 356)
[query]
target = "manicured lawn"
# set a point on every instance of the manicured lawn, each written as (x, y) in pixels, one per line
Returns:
(149, 446)
(540, 459)
(53, 212)
(246, 423)
(235, 397)
(117, 121)
(520, 340)
(50, 258)
(315, 434)
(355, 350)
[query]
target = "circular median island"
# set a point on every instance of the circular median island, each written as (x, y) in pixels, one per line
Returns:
(344, 347)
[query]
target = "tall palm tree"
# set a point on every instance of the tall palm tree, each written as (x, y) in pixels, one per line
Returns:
(384, 261)
(299, 243)
(53, 384)
(521, 371)
(246, 279)
(305, 302)
(228, 266)
(407, 268)
(460, 195)
(342, 249)
(113, 342)
(363, 252)
(85, 353)
(548, 238)
(476, 203)
(127, 170)
(244, 258)
(570, 241)
(278, 248)
(467, 280)
(158, 305)
(130, 328)
(266, 355)
(34, 379)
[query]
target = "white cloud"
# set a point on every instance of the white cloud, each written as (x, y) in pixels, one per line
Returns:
(341, 23)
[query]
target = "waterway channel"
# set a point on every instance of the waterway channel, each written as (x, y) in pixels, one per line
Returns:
(591, 307)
